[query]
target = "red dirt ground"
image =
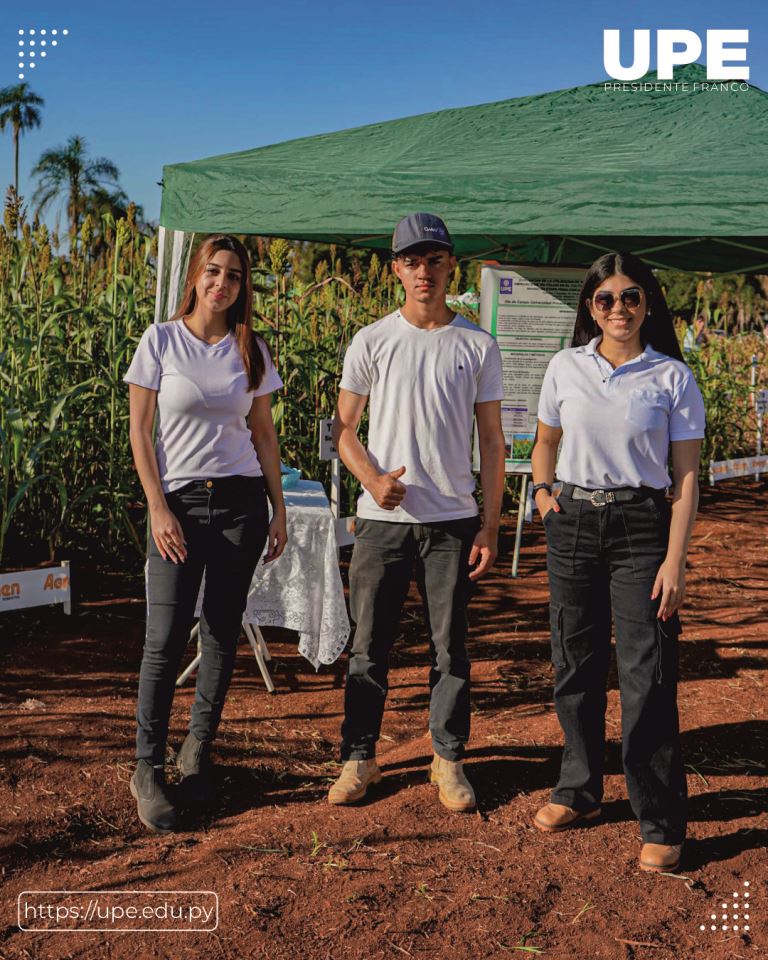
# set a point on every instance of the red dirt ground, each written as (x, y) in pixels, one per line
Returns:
(398, 876)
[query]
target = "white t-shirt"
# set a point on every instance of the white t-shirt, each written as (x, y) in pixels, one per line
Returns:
(617, 424)
(423, 386)
(202, 403)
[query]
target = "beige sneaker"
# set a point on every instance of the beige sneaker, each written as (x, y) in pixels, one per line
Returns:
(456, 791)
(356, 776)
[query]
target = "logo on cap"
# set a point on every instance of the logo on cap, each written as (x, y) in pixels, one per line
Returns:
(419, 228)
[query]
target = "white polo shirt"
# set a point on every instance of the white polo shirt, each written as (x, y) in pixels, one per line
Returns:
(618, 424)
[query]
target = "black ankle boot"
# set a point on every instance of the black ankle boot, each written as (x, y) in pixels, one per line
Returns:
(194, 762)
(156, 811)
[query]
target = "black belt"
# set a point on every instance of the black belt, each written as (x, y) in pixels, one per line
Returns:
(235, 482)
(599, 498)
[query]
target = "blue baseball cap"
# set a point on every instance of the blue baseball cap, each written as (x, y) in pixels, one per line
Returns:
(420, 228)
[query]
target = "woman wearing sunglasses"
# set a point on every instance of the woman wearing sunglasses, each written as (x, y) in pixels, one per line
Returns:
(624, 404)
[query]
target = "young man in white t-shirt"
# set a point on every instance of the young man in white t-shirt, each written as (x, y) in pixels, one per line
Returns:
(426, 372)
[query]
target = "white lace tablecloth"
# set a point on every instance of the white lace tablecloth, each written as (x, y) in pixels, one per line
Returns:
(302, 589)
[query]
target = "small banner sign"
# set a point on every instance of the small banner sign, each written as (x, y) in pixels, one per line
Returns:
(328, 449)
(36, 588)
(742, 467)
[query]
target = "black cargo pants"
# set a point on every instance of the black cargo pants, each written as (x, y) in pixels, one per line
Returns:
(603, 560)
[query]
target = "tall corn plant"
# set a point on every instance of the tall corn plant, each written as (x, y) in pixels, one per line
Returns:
(69, 324)
(66, 465)
(722, 368)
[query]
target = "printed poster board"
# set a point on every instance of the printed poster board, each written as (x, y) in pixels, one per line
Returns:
(531, 312)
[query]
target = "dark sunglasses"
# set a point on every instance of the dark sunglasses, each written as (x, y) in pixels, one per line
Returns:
(630, 298)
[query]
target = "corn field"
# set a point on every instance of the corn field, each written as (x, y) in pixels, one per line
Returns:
(70, 323)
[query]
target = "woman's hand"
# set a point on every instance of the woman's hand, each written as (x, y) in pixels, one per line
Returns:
(670, 583)
(277, 537)
(168, 535)
(546, 502)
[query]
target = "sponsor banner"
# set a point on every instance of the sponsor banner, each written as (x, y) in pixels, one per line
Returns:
(35, 588)
(742, 467)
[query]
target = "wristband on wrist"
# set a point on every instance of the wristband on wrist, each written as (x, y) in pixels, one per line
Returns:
(541, 486)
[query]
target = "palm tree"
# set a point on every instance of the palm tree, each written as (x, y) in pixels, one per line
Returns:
(68, 170)
(17, 108)
(112, 203)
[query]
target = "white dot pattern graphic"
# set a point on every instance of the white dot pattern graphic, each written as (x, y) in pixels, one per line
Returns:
(32, 54)
(740, 901)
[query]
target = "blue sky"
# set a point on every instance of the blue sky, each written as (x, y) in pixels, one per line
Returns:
(150, 83)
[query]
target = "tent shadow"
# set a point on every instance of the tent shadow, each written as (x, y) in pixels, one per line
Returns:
(723, 805)
(701, 852)
(238, 789)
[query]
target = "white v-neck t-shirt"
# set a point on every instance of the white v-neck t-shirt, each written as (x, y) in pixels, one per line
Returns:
(422, 387)
(202, 402)
(618, 424)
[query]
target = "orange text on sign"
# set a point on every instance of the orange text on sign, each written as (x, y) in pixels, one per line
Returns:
(55, 583)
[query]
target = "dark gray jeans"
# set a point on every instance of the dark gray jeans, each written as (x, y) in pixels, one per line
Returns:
(379, 576)
(603, 561)
(225, 525)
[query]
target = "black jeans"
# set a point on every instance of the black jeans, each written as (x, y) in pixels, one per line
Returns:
(600, 560)
(225, 525)
(379, 576)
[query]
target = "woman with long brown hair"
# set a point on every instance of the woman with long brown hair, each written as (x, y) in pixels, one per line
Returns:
(209, 378)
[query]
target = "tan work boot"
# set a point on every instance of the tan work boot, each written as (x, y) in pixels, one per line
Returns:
(554, 817)
(660, 857)
(356, 776)
(456, 791)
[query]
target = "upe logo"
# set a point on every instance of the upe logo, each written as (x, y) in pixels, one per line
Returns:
(675, 48)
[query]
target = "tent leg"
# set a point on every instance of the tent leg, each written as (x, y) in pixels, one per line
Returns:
(173, 252)
(196, 662)
(258, 646)
(520, 518)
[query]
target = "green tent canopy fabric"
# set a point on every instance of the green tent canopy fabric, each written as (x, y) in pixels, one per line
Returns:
(679, 176)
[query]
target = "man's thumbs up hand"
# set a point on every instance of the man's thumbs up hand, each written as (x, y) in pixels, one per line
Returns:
(387, 490)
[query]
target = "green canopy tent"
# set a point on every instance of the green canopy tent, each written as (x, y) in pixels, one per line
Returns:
(678, 176)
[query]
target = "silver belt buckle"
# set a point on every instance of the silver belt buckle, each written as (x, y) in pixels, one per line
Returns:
(599, 498)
